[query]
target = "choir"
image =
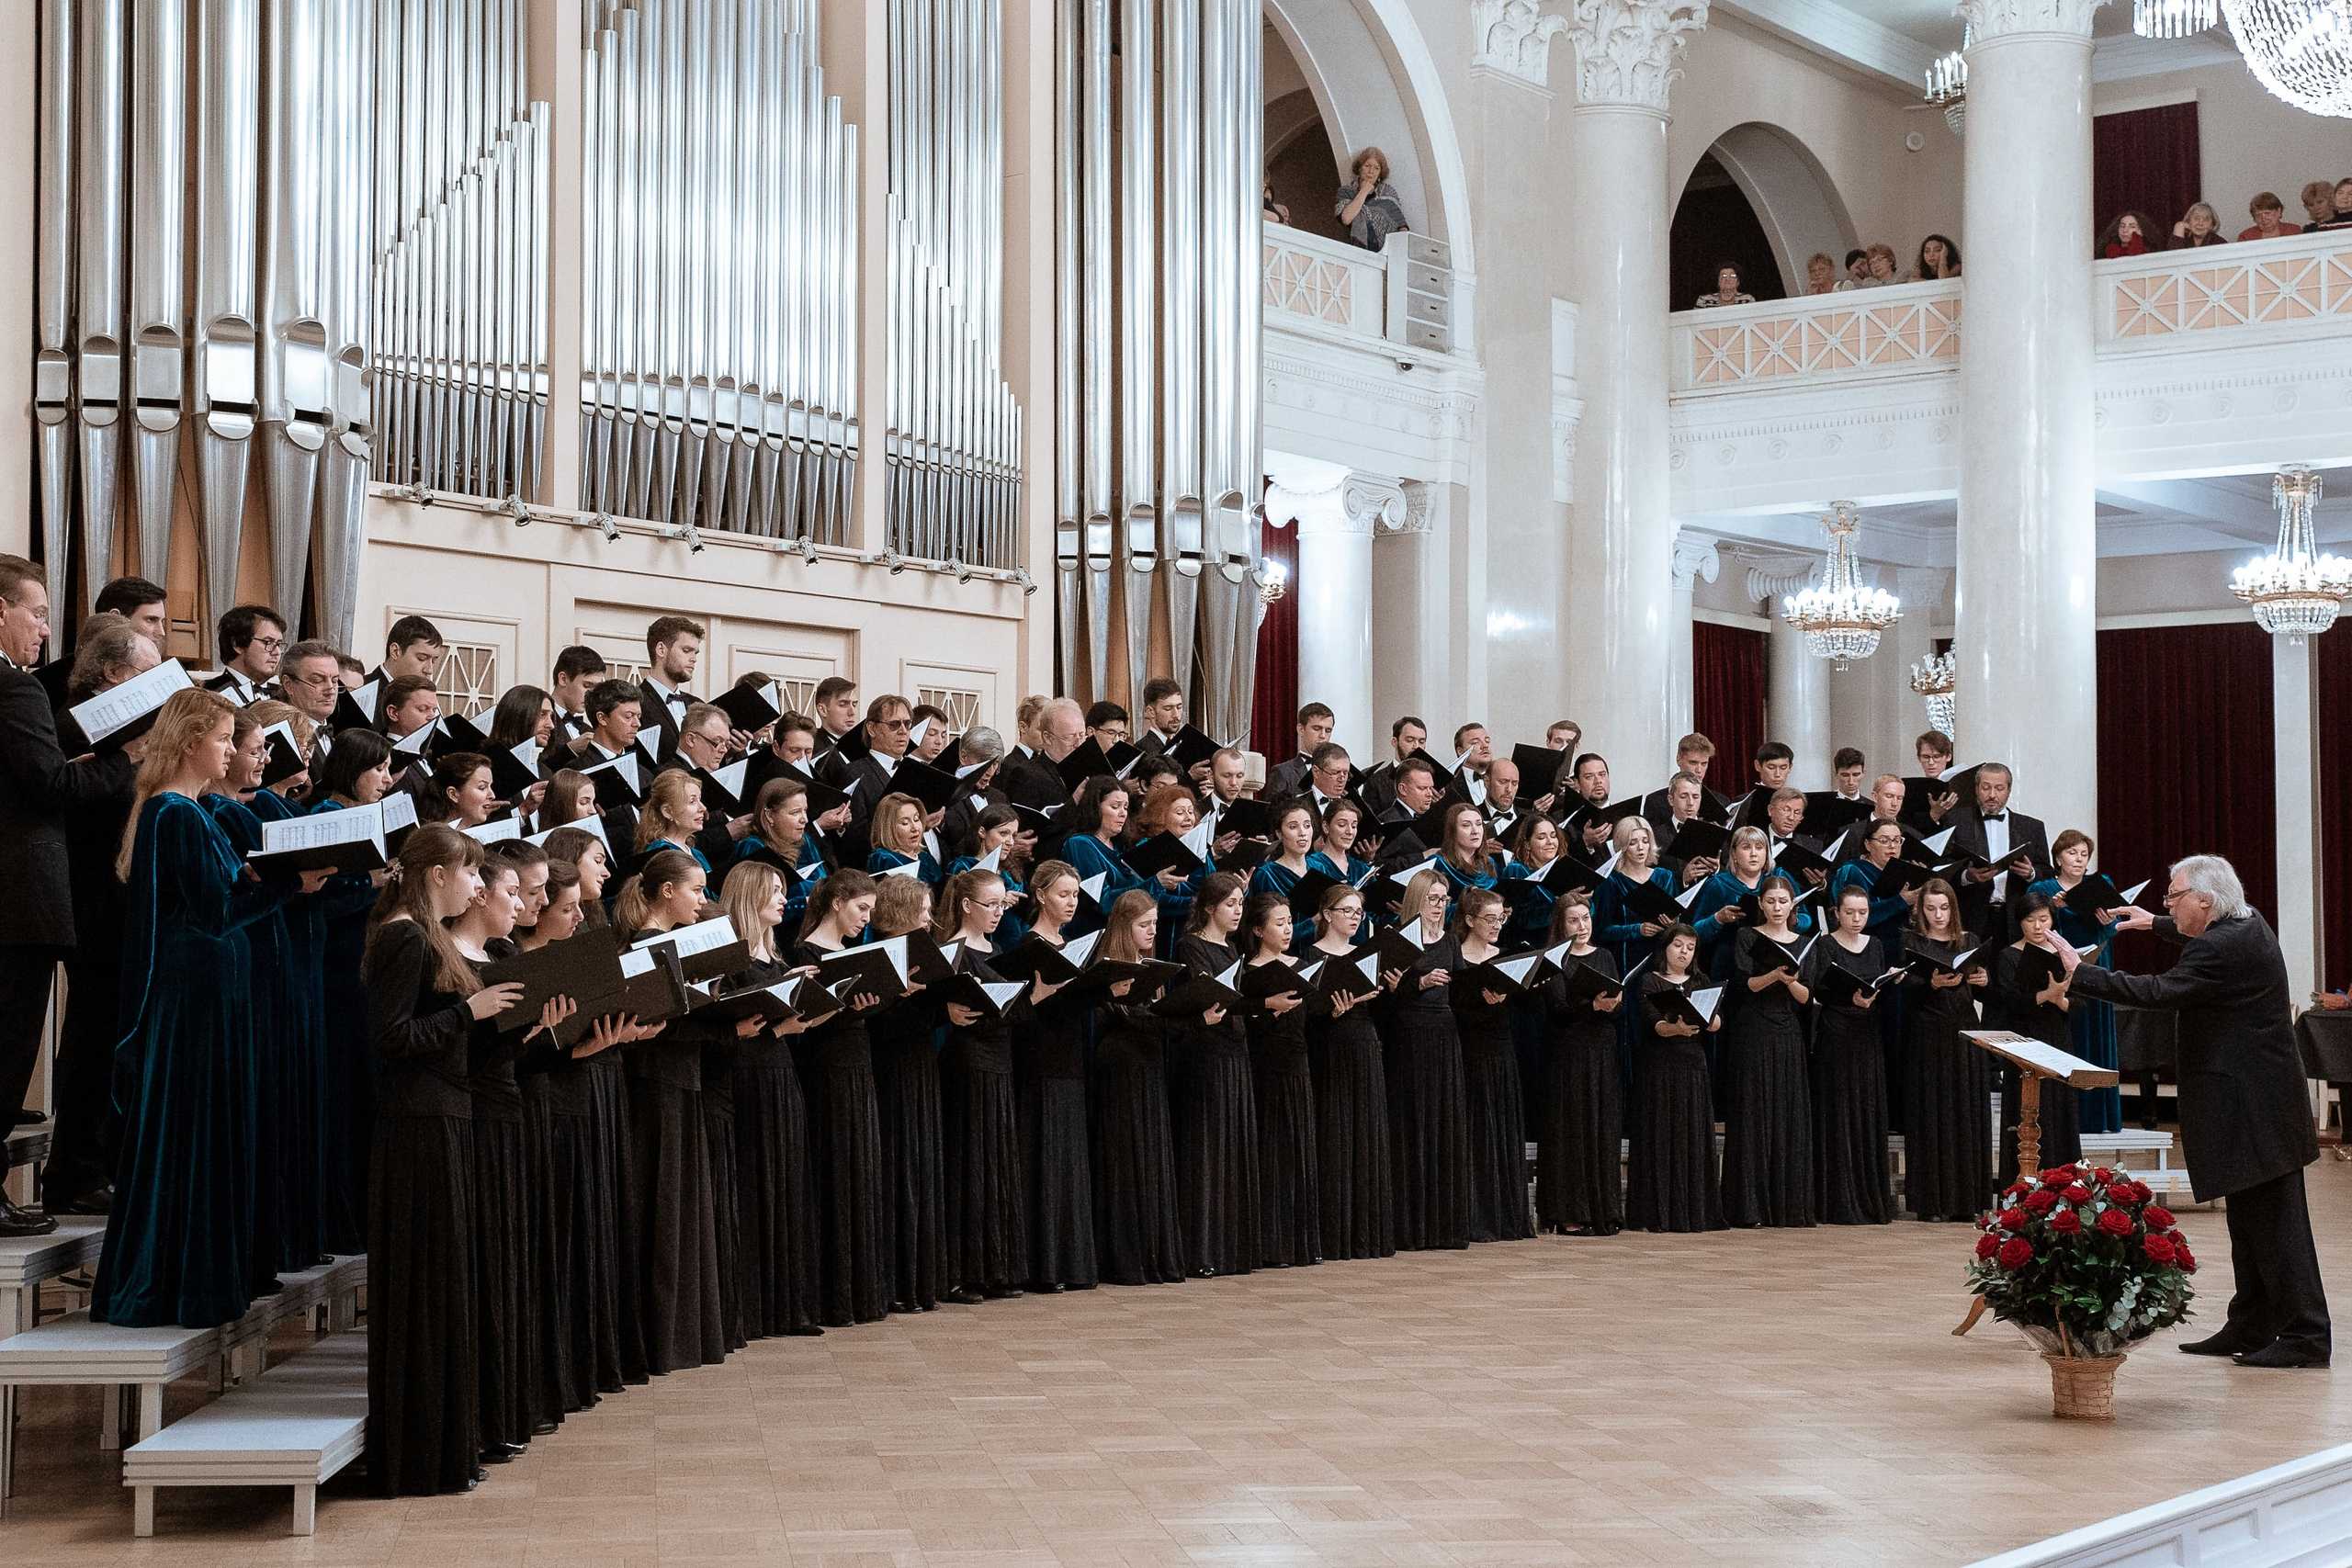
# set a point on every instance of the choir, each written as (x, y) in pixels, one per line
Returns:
(947, 1020)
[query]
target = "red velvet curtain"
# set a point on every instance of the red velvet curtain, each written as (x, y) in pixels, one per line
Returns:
(2336, 806)
(1273, 713)
(1727, 697)
(2185, 763)
(2146, 161)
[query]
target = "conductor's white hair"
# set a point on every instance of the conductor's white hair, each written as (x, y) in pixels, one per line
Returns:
(2217, 880)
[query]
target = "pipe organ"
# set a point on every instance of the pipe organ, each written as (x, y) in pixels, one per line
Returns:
(1157, 476)
(953, 449)
(721, 288)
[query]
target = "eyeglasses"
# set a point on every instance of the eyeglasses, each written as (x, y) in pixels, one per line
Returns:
(984, 903)
(896, 723)
(269, 644)
(2175, 894)
(319, 682)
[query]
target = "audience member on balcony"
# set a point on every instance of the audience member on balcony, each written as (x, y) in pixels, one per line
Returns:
(1821, 275)
(2198, 227)
(2268, 214)
(1370, 207)
(2126, 235)
(1727, 290)
(1938, 259)
(1881, 260)
(1272, 210)
(1858, 267)
(2318, 197)
(2340, 216)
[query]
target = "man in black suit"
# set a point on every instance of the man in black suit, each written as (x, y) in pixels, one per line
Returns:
(889, 720)
(249, 641)
(137, 601)
(959, 828)
(673, 649)
(40, 791)
(1035, 781)
(414, 647)
(2016, 845)
(1407, 736)
(1162, 715)
(577, 667)
(1314, 722)
(2246, 1125)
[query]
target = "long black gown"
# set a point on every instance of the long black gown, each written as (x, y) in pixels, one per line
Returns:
(718, 1051)
(1290, 1179)
(1579, 1179)
(1049, 1078)
(1137, 1235)
(508, 1348)
(613, 1250)
(670, 1209)
(1428, 1116)
(1848, 1093)
(777, 1251)
(905, 1099)
(345, 1088)
(559, 1205)
(179, 1243)
(277, 1013)
(1948, 1147)
(852, 1230)
(1497, 1118)
(1670, 1169)
(2009, 1004)
(1768, 1114)
(301, 1236)
(1352, 1148)
(424, 1388)
(986, 1201)
(1214, 1110)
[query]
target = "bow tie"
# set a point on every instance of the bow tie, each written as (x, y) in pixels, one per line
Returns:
(1993, 817)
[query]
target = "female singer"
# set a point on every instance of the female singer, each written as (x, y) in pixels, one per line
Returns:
(1721, 906)
(671, 818)
(294, 1117)
(1629, 936)
(780, 835)
(899, 839)
(1049, 1075)
(1947, 1172)
(1429, 1114)
(844, 1128)
(593, 860)
(1497, 1118)
(2028, 994)
(1888, 916)
(1290, 1181)
(1359, 1216)
(180, 1238)
(997, 831)
(1671, 1174)
(570, 797)
(356, 772)
(1535, 848)
(461, 794)
(1466, 859)
(988, 1246)
(1335, 846)
(425, 1003)
(1137, 1237)
(1293, 842)
(1094, 819)
(1217, 1179)
(1767, 1115)
(1169, 806)
(670, 1208)
(906, 1098)
(775, 1248)
(1850, 1072)
(1578, 1187)
(2090, 1025)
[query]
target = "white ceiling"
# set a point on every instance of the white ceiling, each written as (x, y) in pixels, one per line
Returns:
(1892, 41)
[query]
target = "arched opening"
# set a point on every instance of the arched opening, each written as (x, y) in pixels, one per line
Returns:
(1759, 198)
(1716, 226)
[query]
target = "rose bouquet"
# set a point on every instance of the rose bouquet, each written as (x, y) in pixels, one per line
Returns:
(2083, 1261)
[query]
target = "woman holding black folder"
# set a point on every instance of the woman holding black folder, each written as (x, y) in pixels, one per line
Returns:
(1138, 1234)
(1092, 822)
(2090, 1025)
(1466, 857)
(987, 1245)
(1580, 1117)
(1351, 1136)
(1535, 853)
(671, 820)
(1629, 931)
(1335, 844)
(997, 831)
(1049, 1079)
(1948, 1175)
(780, 835)
(1766, 1103)
(1492, 1096)
(1279, 876)
(844, 1128)
(2029, 995)
(899, 839)
(1843, 970)
(906, 1098)
(1290, 1179)
(1670, 1170)
(1727, 901)
(1212, 1100)
(356, 772)
(1429, 1116)
(461, 794)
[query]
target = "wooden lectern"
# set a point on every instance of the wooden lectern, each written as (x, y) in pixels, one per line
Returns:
(2034, 1062)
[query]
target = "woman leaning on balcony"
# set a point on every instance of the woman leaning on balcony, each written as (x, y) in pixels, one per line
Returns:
(1369, 205)
(2126, 235)
(1938, 259)
(2270, 219)
(1727, 291)
(2198, 227)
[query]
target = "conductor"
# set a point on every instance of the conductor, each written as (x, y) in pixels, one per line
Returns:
(2245, 1123)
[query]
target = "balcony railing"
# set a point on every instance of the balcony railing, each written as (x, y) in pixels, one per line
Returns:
(1861, 332)
(1403, 294)
(2261, 283)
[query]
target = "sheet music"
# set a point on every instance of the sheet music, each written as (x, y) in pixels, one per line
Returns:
(527, 755)
(1093, 885)
(635, 961)
(2047, 1060)
(730, 777)
(625, 766)
(398, 810)
(496, 831)
(1516, 969)
(413, 744)
(361, 824)
(119, 706)
(1705, 1001)
(1078, 950)
(1410, 871)
(1001, 992)
(703, 936)
(591, 826)
(993, 860)
(365, 698)
(648, 740)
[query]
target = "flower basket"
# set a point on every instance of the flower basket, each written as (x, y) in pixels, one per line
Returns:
(2086, 1264)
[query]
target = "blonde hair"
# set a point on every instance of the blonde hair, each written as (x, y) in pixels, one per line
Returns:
(187, 718)
(1128, 912)
(273, 712)
(664, 868)
(665, 797)
(900, 904)
(886, 823)
(1417, 890)
(745, 897)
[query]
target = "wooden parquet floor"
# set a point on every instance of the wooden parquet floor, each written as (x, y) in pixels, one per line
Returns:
(1789, 1399)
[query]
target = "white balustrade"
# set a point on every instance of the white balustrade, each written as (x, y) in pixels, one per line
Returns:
(1901, 328)
(2152, 302)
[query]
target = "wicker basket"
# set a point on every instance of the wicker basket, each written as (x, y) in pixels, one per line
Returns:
(2082, 1388)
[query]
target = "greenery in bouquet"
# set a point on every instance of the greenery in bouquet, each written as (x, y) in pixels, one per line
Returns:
(2083, 1260)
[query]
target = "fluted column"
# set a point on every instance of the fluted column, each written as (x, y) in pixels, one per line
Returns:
(1335, 522)
(1797, 681)
(1618, 590)
(1694, 558)
(2025, 620)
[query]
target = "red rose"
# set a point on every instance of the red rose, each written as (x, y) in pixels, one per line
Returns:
(2182, 1256)
(2077, 1193)
(2066, 1222)
(2016, 1189)
(1989, 1244)
(2158, 1248)
(2141, 1192)
(2041, 1202)
(2104, 1174)
(2015, 1219)
(2016, 1252)
(2115, 1222)
(2159, 1218)
(2058, 1175)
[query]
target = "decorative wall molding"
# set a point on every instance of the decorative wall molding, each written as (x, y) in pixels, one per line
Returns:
(1771, 575)
(1838, 32)
(1627, 49)
(1513, 39)
(1694, 557)
(1333, 400)
(2298, 1512)
(1420, 511)
(1369, 502)
(1991, 19)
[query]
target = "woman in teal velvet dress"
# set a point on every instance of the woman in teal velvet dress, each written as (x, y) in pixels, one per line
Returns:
(302, 1226)
(2090, 1025)
(900, 826)
(1095, 819)
(1293, 847)
(1334, 853)
(996, 832)
(179, 1243)
(356, 772)
(780, 838)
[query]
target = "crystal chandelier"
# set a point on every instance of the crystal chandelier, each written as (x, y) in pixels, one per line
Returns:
(1935, 677)
(1948, 82)
(2300, 49)
(1841, 618)
(2294, 592)
(2173, 18)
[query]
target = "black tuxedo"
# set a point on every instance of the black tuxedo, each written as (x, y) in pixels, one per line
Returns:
(53, 677)
(653, 712)
(1968, 836)
(1713, 806)
(959, 826)
(569, 726)
(1288, 779)
(241, 690)
(1034, 781)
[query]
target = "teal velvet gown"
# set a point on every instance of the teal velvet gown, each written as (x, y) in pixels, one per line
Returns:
(347, 1089)
(272, 985)
(179, 1242)
(302, 1234)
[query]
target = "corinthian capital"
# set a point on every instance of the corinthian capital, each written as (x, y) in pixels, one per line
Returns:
(1514, 36)
(1626, 49)
(1996, 18)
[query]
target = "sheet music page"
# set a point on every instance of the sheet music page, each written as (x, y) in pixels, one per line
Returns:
(703, 936)
(2046, 1059)
(398, 810)
(361, 824)
(496, 831)
(111, 710)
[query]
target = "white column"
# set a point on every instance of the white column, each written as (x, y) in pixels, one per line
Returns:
(2294, 739)
(1617, 594)
(1797, 681)
(1333, 590)
(1694, 558)
(2025, 587)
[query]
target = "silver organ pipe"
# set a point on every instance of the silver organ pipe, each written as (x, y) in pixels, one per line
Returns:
(99, 304)
(158, 193)
(53, 280)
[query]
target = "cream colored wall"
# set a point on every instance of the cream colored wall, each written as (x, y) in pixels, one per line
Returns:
(2247, 140)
